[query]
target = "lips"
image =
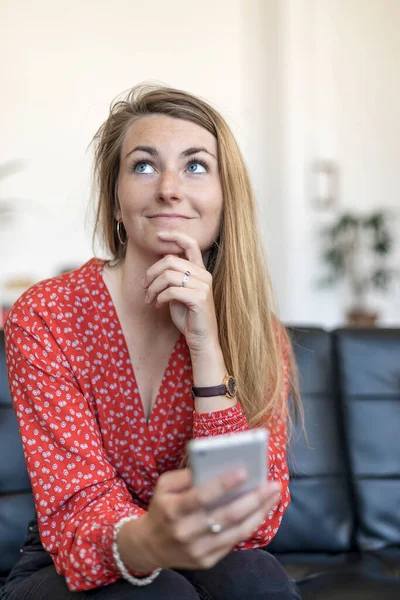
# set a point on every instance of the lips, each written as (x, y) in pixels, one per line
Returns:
(168, 216)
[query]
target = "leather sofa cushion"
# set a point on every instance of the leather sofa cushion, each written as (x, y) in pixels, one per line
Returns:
(369, 371)
(16, 501)
(302, 565)
(320, 516)
(16, 510)
(349, 586)
(13, 474)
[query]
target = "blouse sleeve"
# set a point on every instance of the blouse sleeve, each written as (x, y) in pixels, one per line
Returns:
(78, 496)
(233, 419)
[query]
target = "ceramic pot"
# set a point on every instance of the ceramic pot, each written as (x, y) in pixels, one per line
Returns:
(361, 318)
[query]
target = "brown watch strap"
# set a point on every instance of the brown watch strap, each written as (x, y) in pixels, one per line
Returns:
(207, 392)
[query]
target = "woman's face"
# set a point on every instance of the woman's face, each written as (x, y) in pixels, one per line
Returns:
(169, 181)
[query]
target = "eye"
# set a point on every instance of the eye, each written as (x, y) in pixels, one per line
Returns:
(141, 166)
(196, 164)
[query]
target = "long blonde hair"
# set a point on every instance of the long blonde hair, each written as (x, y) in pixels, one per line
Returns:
(252, 339)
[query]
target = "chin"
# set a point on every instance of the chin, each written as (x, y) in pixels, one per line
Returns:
(164, 248)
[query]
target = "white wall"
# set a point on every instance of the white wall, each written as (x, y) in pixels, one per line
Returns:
(296, 79)
(341, 101)
(262, 121)
(62, 65)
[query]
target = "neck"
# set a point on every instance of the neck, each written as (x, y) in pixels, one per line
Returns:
(126, 277)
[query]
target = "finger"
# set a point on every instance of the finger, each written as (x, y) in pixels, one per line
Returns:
(175, 263)
(188, 244)
(201, 496)
(230, 516)
(210, 545)
(250, 526)
(168, 279)
(175, 481)
(233, 513)
(191, 298)
(232, 536)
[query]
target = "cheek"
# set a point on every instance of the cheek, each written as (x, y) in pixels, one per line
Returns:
(218, 207)
(132, 196)
(212, 199)
(214, 219)
(219, 199)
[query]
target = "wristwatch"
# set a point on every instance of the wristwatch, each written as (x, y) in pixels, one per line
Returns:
(228, 389)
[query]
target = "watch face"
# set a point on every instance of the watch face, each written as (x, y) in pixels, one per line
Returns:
(231, 386)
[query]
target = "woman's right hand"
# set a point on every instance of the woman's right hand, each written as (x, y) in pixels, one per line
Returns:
(174, 532)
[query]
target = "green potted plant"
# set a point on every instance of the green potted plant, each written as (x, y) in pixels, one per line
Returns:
(355, 250)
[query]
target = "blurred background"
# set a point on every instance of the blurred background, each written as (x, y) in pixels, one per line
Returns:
(310, 88)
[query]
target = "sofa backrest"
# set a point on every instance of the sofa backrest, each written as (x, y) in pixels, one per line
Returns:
(16, 501)
(320, 516)
(369, 373)
(345, 487)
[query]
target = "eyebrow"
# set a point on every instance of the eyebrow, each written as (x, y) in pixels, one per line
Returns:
(153, 152)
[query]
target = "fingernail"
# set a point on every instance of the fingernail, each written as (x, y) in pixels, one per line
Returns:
(163, 233)
(143, 281)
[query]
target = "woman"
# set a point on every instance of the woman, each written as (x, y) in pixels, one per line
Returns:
(102, 362)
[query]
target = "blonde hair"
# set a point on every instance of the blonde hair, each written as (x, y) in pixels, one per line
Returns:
(252, 339)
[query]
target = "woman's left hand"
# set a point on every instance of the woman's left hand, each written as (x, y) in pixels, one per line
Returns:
(192, 307)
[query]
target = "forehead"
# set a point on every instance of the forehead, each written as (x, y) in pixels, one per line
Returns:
(162, 131)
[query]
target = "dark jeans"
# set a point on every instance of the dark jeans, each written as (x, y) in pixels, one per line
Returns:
(242, 575)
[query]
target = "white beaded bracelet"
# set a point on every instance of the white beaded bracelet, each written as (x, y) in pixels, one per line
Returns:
(133, 580)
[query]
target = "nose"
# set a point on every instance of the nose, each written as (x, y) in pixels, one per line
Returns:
(169, 187)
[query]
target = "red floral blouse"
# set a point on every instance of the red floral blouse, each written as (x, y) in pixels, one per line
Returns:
(91, 455)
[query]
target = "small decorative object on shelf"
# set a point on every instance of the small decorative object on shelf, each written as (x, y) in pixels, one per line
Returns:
(356, 249)
(326, 185)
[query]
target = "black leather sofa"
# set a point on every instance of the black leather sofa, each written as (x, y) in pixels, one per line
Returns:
(340, 537)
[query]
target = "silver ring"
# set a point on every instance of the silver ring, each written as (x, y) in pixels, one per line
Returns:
(213, 527)
(185, 279)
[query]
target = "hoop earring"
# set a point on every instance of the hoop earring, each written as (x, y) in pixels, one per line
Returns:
(119, 233)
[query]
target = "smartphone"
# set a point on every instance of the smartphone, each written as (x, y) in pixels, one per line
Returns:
(211, 457)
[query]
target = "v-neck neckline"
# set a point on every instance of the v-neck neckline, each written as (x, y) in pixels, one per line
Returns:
(179, 345)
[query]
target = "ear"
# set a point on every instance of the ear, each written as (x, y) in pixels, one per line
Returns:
(117, 208)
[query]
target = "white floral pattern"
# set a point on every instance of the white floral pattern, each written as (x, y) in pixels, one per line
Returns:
(91, 456)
